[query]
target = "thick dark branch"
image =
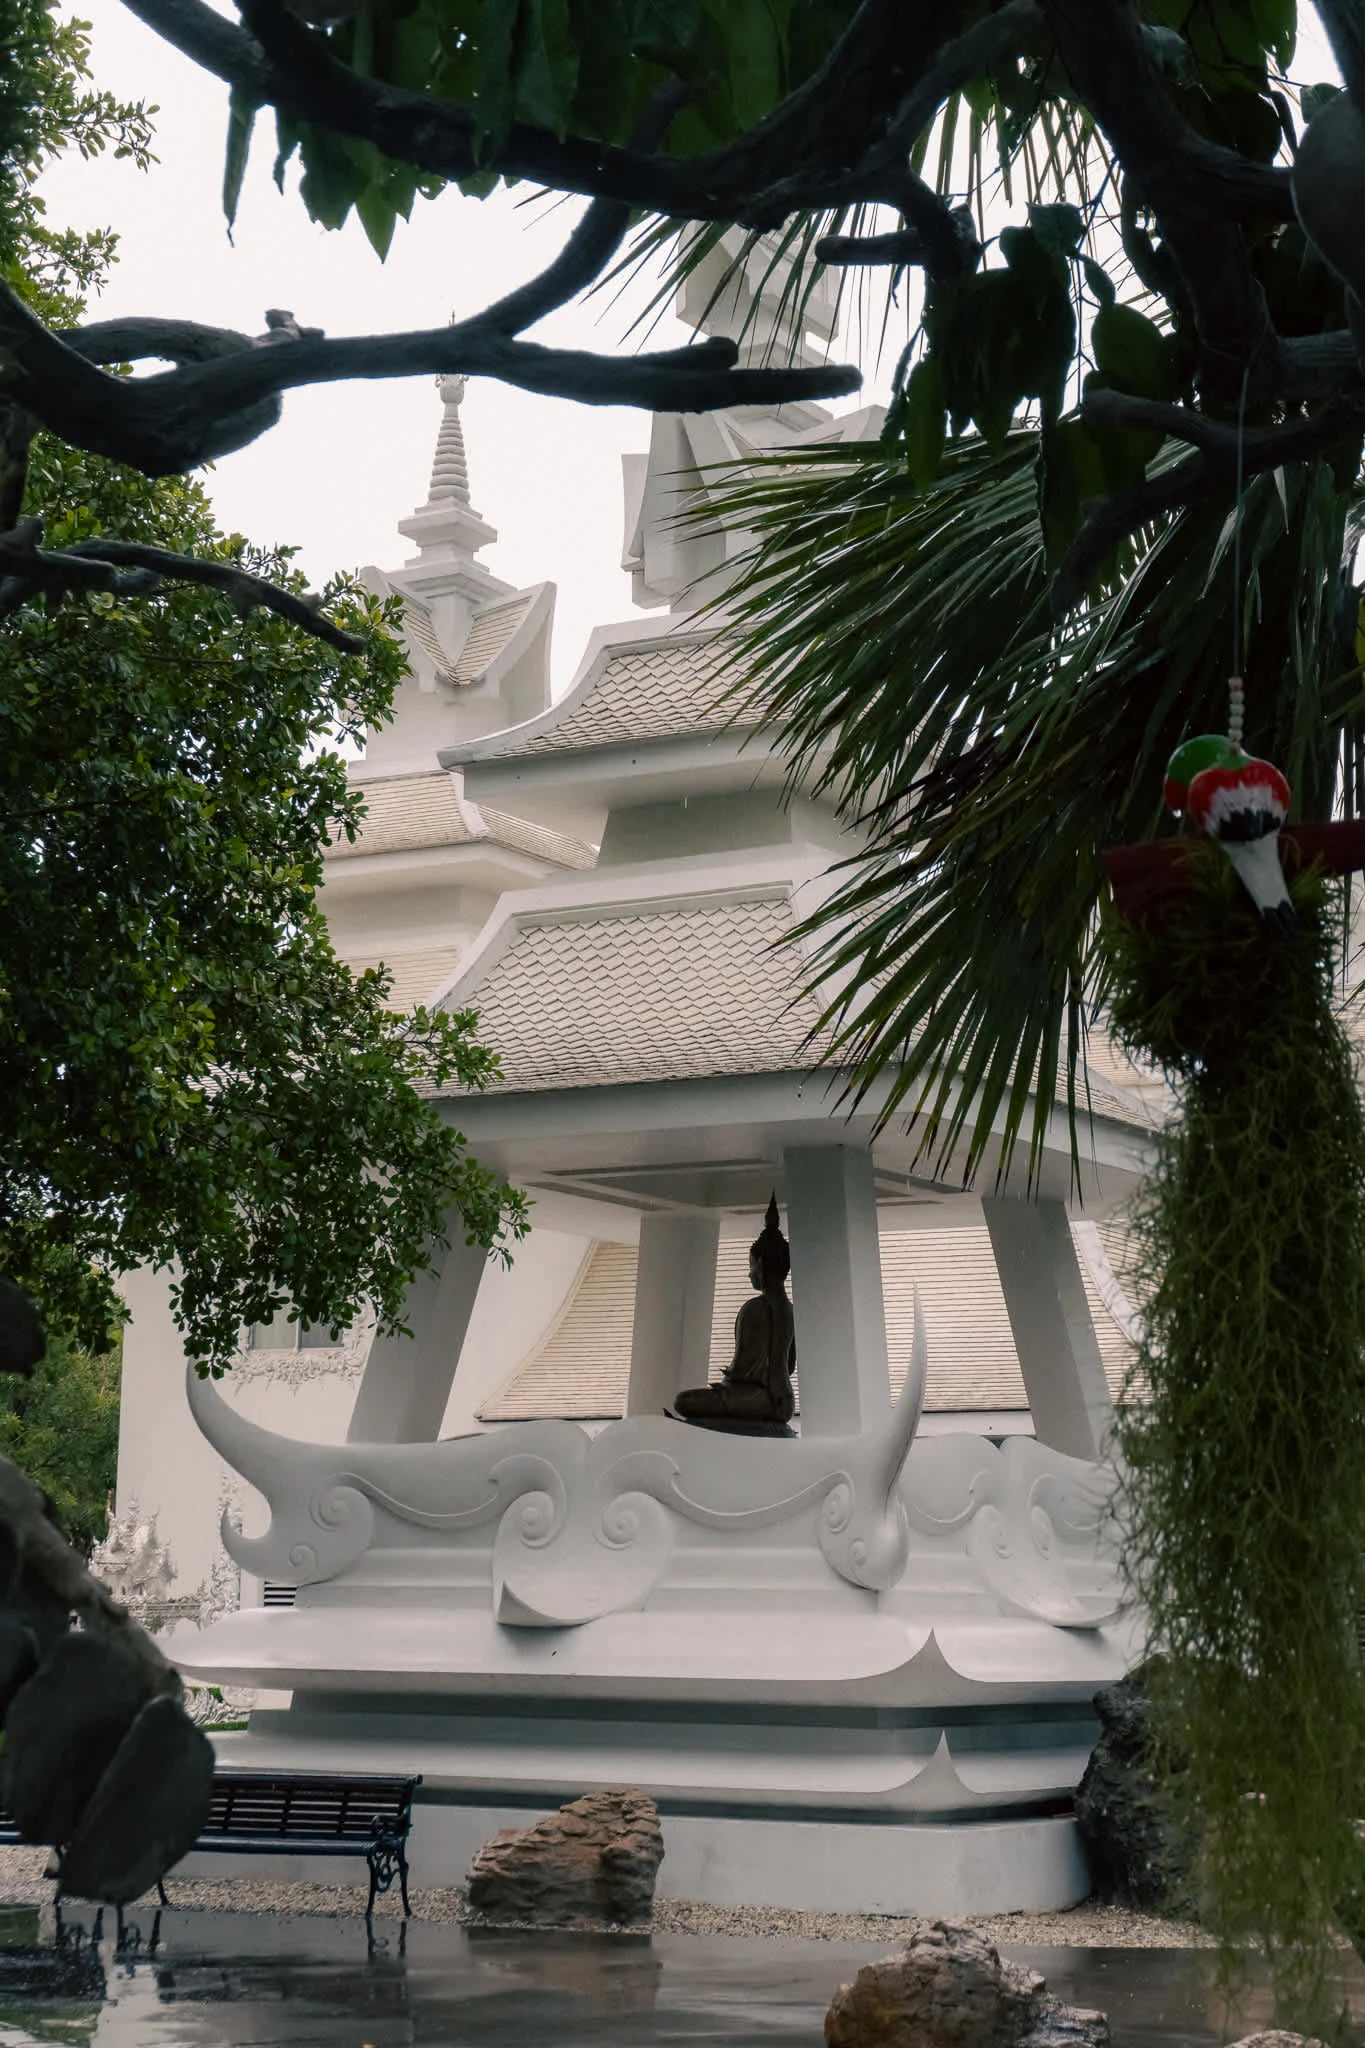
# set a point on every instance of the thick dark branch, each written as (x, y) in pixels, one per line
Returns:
(172, 422)
(903, 246)
(1191, 185)
(596, 238)
(168, 341)
(1204, 475)
(1012, 28)
(127, 568)
(17, 429)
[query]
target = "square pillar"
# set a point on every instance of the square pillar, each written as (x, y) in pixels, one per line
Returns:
(837, 1289)
(675, 1301)
(406, 1383)
(1054, 1336)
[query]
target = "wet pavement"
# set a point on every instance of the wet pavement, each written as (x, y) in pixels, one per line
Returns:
(238, 1980)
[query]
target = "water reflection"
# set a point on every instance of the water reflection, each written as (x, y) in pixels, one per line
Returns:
(211, 1980)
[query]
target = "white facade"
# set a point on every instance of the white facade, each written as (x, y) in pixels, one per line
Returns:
(908, 1608)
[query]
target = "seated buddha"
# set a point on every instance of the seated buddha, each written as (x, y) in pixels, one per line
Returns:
(757, 1385)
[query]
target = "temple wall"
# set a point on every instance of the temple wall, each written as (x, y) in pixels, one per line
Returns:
(167, 1468)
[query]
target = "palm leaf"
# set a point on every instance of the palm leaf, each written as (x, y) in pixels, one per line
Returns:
(901, 644)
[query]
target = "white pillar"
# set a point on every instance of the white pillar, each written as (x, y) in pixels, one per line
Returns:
(837, 1289)
(1050, 1319)
(407, 1380)
(675, 1301)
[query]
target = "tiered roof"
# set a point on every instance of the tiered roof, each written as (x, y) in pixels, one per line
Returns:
(647, 994)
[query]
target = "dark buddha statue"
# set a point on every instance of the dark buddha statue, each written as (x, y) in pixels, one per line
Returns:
(756, 1391)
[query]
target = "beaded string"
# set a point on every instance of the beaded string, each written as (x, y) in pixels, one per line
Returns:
(1236, 687)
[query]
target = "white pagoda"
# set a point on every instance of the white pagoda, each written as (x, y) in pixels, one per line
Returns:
(855, 1666)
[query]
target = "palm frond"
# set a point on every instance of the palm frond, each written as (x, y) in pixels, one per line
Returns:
(902, 645)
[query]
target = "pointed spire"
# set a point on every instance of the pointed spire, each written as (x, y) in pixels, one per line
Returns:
(450, 468)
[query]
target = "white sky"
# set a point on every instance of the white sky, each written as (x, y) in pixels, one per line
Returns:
(348, 461)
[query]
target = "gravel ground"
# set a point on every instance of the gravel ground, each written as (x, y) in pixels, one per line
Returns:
(1089, 1926)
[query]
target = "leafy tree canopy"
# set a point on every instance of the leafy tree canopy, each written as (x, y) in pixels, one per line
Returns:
(1137, 263)
(187, 1072)
(61, 1426)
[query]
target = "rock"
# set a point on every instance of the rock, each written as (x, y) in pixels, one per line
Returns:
(1278, 2037)
(1136, 1857)
(147, 1811)
(596, 1859)
(63, 1730)
(950, 1989)
(1057, 2025)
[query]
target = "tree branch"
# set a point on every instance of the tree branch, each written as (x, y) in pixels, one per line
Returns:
(1203, 475)
(127, 568)
(172, 422)
(1194, 188)
(903, 246)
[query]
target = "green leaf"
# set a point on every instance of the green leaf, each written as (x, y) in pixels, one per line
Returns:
(242, 112)
(601, 97)
(1099, 280)
(664, 30)
(547, 65)
(1133, 353)
(755, 58)
(1059, 229)
(378, 216)
(495, 92)
(925, 421)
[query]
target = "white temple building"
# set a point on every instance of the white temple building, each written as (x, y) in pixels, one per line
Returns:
(856, 1667)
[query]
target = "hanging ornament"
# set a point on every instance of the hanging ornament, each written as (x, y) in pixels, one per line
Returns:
(1242, 803)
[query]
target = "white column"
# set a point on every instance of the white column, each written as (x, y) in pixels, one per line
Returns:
(1050, 1319)
(407, 1380)
(837, 1289)
(675, 1300)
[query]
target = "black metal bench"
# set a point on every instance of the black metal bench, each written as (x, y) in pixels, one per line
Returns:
(306, 1813)
(314, 1813)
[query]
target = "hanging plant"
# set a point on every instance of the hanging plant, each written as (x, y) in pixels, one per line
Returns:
(1245, 1511)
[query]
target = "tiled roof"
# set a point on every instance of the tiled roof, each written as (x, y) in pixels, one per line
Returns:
(490, 630)
(416, 976)
(662, 691)
(648, 995)
(407, 812)
(580, 1367)
(536, 840)
(420, 627)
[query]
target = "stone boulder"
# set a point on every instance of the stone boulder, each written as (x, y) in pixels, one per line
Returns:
(950, 1989)
(1136, 1857)
(596, 1859)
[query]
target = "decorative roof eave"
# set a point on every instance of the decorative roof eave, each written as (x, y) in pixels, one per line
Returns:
(537, 1132)
(486, 863)
(573, 792)
(606, 646)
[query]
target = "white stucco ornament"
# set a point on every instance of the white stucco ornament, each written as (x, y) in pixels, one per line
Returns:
(576, 1528)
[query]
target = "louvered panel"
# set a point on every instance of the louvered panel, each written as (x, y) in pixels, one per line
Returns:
(416, 976)
(581, 1366)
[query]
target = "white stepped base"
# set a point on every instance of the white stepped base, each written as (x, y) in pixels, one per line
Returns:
(1033, 1865)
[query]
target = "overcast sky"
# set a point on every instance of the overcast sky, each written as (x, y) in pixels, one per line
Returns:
(348, 461)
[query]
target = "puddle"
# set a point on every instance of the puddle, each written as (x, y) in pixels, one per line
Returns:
(237, 1980)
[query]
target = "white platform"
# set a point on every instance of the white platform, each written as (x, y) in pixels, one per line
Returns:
(808, 1866)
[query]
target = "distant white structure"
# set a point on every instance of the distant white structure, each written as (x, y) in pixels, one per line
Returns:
(856, 1669)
